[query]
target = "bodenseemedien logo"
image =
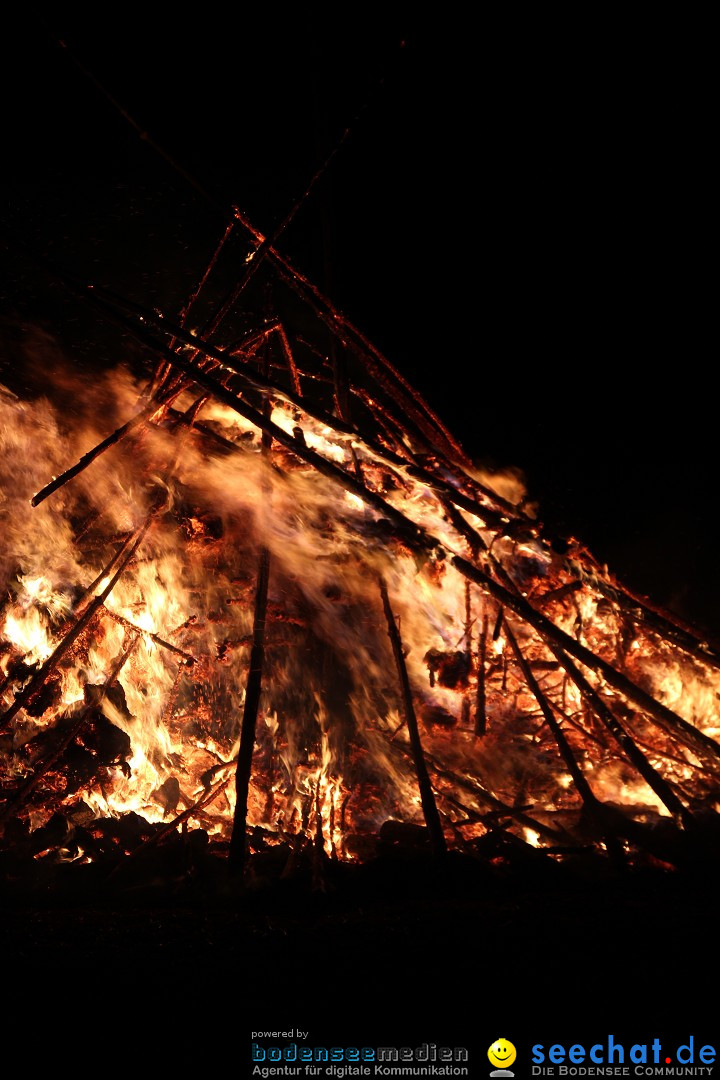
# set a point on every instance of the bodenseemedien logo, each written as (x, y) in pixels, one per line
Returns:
(501, 1054)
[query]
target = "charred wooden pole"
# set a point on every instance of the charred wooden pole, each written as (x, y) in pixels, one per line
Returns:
(253, 689)
(238, 842)
(338, 359)
(289, 359)
(481, 703)
(117, 436)
(591, 803)
(664, 716)
(578, 776)
(246, 346)
(476, 544)
(194, 295)
(650, 775)
(266, 243)
(468, 649)
(218, 441)
(427, 797)
(164, 370)
(87, 593)
(659, 712)
(122, 621)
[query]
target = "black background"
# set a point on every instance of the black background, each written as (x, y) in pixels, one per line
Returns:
(523, 220)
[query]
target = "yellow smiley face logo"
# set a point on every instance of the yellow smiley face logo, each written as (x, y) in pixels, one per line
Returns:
(502, 1053)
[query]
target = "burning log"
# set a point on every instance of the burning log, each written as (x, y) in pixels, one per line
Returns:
(93, 700)
(558, 594)
(117, 436)
(186, 656)
(106, 571)
(28, 693)
(498, 624)
(160, 835)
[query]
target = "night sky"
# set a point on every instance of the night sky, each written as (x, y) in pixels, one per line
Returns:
(521, 219)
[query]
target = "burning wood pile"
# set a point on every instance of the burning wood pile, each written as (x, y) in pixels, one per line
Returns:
(278, 610)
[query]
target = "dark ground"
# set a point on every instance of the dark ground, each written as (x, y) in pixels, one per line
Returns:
(392, 953)
(522, 221)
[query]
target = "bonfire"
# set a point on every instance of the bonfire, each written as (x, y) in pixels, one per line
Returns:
(259, 595)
